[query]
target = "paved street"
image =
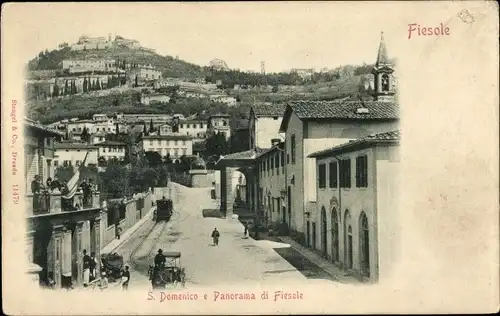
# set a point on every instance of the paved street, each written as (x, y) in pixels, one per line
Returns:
(235, 261)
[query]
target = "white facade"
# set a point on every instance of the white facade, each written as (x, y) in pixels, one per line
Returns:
(109, 150)
(197, 129)
(86, 65)
(173, 145)
(357, 224)
(148, 99)
(73, 154)
(223, 99)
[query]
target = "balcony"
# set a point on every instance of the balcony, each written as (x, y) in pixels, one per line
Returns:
(53, 203)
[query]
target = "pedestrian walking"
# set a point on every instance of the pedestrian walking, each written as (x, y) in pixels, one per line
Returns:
(86, 268)
(246, 229)
(125, 278)
(93, 266)
(215, 236)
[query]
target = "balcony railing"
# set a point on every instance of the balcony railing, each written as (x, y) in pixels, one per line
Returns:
(50, 203)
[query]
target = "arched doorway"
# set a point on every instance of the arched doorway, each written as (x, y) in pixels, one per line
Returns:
(323, 231)
(364, 245)
(347, 240)
(335, 236)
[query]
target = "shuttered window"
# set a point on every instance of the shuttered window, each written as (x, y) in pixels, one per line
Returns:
(322, 176)
(345, 173)
(333, 174)
(362, 171)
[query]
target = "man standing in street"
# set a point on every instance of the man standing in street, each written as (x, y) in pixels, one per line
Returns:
(125, 278)
(246, 230)
(87, 261)
(215, 236)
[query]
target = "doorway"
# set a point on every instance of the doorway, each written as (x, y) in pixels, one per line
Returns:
(289, 206)
(323, 232)
(335, 236)
(347, 240)
(308, 234)
(314, 235)
(364, 245)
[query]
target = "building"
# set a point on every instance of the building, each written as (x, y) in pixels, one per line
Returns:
(97, 137)
(225, 99)
(143, 74)
(148, 99)
(264, 123)
(165, 130)
(111, 150)
(218, 64)
(88, 43)
(38, 151)
(219, 124)
(89, 65)
(73, 154)
(271, 195)
(195, 128)
(357, 210)
(130, 43)
(310, 126)
(173, 145)
(304, 74)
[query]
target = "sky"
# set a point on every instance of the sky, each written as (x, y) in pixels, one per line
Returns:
(300, 35)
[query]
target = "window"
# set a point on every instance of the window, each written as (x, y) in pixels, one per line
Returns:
(184, 151)
(78, 162)
(283, 162)
(362, 171)
(176, 142)
(333, 174)
(181, 125)
(188, 125)
(277, 163)
(271, 160)
(201, 125)
(275, 118)
(66, 163)
(292, 148)
(56, 164)
(322, 176)
(183, 142)
(345, 173)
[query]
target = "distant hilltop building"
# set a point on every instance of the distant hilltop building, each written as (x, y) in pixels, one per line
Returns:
(87, 43)
(305, 74)
(218, 64)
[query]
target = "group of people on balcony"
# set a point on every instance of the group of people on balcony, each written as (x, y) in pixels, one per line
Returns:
(41, 193)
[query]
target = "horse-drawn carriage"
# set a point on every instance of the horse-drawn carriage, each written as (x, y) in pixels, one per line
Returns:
(112, 265)
(164, 210)
(170, 273)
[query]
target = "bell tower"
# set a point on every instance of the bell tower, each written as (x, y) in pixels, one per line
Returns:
(383, 75)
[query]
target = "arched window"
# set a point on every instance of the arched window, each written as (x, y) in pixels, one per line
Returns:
(385, 82)
(364, 245)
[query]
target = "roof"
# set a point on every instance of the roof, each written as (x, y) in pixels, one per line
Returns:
(382, 56)
(111, 143)
(268, 109)
(192, 121)
(246, 155)
(40, 128)
(392, 137)
(185, 137)
(340, 110)
(81, 121)
(67, 145)
(172, 254)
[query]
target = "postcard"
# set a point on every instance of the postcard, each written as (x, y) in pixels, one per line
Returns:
(250, 158)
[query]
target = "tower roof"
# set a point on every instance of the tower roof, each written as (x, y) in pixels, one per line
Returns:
(382, 57)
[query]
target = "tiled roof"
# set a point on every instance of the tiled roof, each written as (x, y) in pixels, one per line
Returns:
(268, 109)
(111, 143)
(66, 145)
(247, 154)
(345, 109)
(36, 125)
(386, 137)
(185, 137)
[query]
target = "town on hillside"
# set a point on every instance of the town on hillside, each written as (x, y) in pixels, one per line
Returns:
(135, 160)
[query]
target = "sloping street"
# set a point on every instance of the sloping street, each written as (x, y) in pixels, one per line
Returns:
(236, 261)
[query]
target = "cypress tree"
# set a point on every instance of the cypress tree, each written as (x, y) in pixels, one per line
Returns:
(98, 84)
(151, 126)
(85, 90)
(66, 88)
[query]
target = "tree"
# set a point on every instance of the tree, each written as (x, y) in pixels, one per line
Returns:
(153, 158)
(275, 89)
(98, 84)
(136, 81)
(85, 89)
(151, 126)
(85, 135)
(55, 92)
(115, 180)
(167, 159)
(145, 130)
(66, 87)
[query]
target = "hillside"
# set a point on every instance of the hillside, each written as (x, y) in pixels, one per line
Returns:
(170, 67)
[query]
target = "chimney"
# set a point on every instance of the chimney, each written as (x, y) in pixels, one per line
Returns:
(275, 142)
